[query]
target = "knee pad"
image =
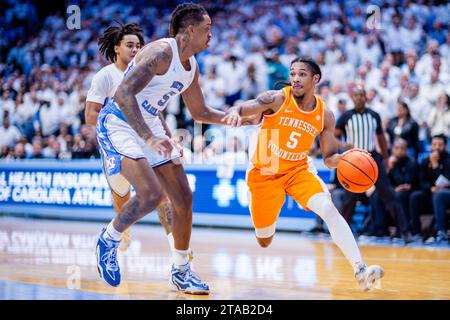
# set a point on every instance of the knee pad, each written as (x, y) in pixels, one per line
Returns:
(119, 184)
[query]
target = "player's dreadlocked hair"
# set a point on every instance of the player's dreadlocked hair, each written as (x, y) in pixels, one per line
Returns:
(184, 15)
(114, 34)
(312, 65)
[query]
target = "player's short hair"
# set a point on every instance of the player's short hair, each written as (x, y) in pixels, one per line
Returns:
(186, 14)
(312, 66)
(114, 34)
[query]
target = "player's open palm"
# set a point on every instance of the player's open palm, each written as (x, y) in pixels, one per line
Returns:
(162, 145)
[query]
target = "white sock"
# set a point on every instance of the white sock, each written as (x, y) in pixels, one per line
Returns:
(111, 233)
(322, 205)
(171, 241)
(180, 257)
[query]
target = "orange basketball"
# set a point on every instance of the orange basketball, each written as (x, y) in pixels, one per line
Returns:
(357, 171)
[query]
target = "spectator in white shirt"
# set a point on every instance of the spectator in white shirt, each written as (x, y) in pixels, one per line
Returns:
(251, 87)
(425, 63)
(332, 54)
(352, 49)
(233, 72)
(395, 35)
(419, 107)
(400, 92)
(433, 89)
(6, 103)
(410, 67)
(290, 53)
(48, 119)
(213, 88)
(370, 51)
(377, 104)
(341, 71)
(439, 118)
(257, 58)
(414, 34)
(9, 134)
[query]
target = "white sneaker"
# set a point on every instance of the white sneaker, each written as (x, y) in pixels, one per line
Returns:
(369, 277)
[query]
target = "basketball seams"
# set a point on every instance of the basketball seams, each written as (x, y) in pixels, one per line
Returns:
(341, 177)
(342, 159)
(375, 169)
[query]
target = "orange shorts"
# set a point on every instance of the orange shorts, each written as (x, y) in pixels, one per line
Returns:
(267, 194)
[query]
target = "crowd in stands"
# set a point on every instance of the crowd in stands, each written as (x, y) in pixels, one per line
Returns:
(403, 60)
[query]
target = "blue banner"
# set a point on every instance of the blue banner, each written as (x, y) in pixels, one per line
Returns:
(78, 189)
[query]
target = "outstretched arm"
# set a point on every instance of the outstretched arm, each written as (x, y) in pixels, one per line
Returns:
(266, 103)
(251, 111)
(328, 142)
(195, 102)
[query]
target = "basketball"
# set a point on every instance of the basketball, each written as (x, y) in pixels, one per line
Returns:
(357, 171)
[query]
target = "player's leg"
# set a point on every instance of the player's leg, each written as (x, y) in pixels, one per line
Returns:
(118, 202)
(120, 189)
(148, 193)
(122, 154)
(308, 189)
(121, 193)
(266, 198)
(175, 183)
(165, 214)
(148, 196)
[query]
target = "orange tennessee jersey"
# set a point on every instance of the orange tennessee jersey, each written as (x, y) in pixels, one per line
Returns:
(285, 137)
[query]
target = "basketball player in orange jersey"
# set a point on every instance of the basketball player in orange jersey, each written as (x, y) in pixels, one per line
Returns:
(119, 44)
(291, 119)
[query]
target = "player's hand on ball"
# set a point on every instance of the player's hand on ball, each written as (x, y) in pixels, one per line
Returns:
(162, 145)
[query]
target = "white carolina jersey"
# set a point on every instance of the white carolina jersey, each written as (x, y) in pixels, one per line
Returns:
(155, 97)
(104, 84)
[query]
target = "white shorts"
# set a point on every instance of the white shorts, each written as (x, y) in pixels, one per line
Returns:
(118, 140)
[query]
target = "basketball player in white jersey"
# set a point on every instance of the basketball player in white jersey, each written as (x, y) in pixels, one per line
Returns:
(131, 135)
(119, 44)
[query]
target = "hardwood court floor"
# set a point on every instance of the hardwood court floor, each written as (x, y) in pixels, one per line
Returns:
(43, 259)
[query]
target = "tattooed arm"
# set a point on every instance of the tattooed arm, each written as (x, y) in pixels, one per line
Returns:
(154, 59)
(251, 111)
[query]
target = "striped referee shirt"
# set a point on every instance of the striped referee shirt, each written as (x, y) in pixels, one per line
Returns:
(360, 128)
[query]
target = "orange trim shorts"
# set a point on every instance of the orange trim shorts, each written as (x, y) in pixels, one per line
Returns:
(267, 194)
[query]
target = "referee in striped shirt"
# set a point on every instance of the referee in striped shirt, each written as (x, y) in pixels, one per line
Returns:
(361, 128)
